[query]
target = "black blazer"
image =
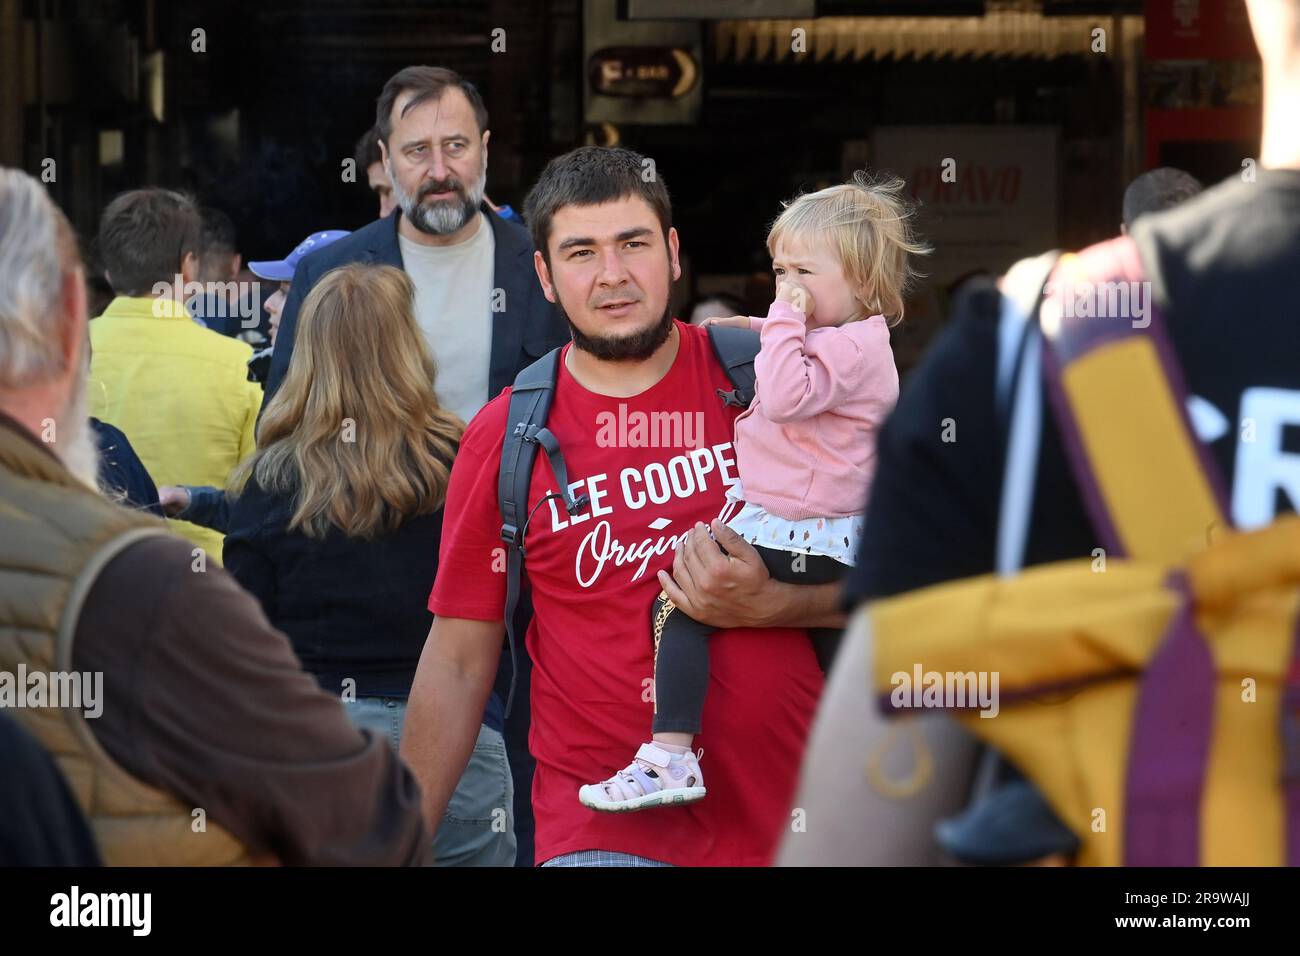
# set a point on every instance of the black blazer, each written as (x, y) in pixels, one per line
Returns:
(526, 329)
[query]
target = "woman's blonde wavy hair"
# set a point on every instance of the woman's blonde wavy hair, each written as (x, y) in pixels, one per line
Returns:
(868, 223)
(355, 434)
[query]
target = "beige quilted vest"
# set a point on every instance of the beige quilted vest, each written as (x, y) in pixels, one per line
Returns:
(55, 538)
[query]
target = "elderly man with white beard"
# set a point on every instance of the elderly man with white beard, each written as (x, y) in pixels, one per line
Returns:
(209, 745)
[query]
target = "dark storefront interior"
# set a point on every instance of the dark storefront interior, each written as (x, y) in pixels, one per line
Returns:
(255, 105)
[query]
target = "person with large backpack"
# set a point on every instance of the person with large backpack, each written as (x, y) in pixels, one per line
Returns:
(635, 422)
(1122, 435)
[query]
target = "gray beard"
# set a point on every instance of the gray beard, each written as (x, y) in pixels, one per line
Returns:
(75, 441)
(441, 218)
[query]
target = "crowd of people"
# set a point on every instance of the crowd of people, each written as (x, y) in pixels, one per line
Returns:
(467, 547)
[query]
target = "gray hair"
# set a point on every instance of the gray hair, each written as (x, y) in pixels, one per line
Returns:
(34, 242)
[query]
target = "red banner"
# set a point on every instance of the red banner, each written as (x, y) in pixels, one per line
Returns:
(1198, 30)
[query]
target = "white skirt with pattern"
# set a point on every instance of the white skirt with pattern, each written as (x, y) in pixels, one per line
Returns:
(831, 537)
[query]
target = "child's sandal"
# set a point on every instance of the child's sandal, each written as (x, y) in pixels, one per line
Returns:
(656, 778)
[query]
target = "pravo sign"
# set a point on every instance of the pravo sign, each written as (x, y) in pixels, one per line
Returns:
(988, 194)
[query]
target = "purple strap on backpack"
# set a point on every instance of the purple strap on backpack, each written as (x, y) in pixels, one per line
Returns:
(1169, 749)
(1291, 753)
(1173, 716)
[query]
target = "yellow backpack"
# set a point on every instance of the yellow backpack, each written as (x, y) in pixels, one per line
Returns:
(1152, 691)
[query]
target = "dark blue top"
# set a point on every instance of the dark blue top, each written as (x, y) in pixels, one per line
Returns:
(351, 608)
(40, 822)
(122, 472)
(209, 507)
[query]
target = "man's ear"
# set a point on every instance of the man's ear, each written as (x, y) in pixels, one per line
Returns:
(189, 270)
(487, 134)
(673, 249)
(239, 263)
(544, 276)
(383, 154)
(72, 327)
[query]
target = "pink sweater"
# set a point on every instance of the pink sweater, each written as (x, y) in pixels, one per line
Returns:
(806, 447)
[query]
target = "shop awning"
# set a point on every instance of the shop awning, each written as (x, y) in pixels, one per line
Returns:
(1007, 33)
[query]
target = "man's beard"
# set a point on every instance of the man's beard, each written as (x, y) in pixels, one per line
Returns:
(623, 348)
(444, 217)
(75, 442)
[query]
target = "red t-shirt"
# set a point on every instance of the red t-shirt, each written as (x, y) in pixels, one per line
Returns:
(653, 465)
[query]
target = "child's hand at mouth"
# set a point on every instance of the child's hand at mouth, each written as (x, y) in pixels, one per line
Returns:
(795, 294)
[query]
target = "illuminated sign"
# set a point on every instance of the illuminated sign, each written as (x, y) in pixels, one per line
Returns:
(643, 72)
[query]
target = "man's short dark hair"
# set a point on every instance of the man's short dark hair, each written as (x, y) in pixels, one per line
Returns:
(367, 153)
(428, 83)
(590, 176)
(1157, 190)
(143, 237)
(217, 233)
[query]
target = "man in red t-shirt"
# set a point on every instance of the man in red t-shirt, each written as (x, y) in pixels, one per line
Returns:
(647, 439)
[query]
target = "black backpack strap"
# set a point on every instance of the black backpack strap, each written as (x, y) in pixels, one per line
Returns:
(735, 350)
(526, 431)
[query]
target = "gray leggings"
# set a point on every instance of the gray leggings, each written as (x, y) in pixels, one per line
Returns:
(682, 643)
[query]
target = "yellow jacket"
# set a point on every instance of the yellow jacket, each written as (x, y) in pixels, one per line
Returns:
(179, 391)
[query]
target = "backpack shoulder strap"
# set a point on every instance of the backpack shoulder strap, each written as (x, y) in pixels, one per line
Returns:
(735, 350)
(1150, 486)
(526, 432)
(1018, 401)
(530, 403)
(1020, 300)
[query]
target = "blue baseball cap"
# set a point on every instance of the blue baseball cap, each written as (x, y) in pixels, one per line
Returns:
(282, 269)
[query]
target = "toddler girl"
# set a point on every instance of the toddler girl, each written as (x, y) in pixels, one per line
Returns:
(805, 448)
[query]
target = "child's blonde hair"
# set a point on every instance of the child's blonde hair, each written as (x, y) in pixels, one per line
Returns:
(868, 224)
